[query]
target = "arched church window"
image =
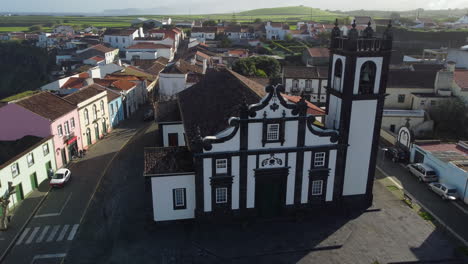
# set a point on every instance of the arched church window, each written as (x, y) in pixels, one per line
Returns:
(338, 75)
(367, 78)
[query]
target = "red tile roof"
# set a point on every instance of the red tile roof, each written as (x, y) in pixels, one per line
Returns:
(167, 32)
(461, 79)
(238, 52)
(319, 52)
(123, 85)
(102, 48)
(74, 83)
(46, 105)
(83, 75)
(312, 109)
(444, 147)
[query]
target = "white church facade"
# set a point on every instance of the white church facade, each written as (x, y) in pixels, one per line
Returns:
(233, 148)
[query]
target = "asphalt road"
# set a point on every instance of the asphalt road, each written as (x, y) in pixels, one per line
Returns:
(454, 214)
(48, 236)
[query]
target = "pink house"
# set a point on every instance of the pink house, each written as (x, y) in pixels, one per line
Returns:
(44, 114)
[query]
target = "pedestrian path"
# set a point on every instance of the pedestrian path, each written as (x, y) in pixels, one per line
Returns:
(47, 233)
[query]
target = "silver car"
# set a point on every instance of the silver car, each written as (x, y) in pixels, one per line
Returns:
(423, 172)
(443, 190)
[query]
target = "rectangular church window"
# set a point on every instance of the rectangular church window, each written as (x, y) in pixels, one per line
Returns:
(221, 166)
(221, 195)
(317, 187)
(273, 131)
(179, 198)
(319, 159)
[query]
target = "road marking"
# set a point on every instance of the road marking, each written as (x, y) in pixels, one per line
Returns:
(25, 233)
(33, 234)
(390, 178)
(52, 235)
(62, 234)
(56, 214)
(47, 256)
(460, 207)
(73, 232)
(42, 235)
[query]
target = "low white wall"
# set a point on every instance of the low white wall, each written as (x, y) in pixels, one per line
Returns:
(173, 128)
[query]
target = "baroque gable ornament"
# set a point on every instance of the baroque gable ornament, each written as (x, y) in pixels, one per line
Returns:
(272, 161)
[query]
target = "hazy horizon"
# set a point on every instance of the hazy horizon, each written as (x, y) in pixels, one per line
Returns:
(210, 7)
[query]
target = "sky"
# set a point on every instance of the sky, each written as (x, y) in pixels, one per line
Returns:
(213, 6)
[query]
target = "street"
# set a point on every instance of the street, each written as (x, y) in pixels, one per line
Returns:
(48, 236)
(454, 214)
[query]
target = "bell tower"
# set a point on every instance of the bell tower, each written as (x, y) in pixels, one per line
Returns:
(357, 81)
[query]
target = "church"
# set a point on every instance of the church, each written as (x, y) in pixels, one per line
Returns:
(234, 148)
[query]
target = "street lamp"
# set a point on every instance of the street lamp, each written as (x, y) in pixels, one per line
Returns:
(383, 153)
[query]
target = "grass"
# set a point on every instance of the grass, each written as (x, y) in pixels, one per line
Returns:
(426, 216)
(13, 29)
(18, 96)
(392, 188)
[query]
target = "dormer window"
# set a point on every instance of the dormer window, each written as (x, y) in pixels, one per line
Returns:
(367, 78)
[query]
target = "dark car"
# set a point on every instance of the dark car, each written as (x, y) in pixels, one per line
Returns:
(396, 154)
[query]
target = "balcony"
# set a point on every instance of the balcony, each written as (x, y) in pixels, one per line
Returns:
(361, 44)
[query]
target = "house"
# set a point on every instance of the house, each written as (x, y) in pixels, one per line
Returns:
(250, 153)
(460, 84)
(92, 105)
(424, 23)
(63, 30)
(238, 33)
(416, 120)
(116, 112)
(174, 33)
(276, 30)
(449, 161)
(110, 54)
(459, 56)
(310, 81)
(149, 51)
(122, 38)
(316, 56)
(133, 90)
(25, 162)
(41, 115)
(204, 33)
(177, 77)
(185, 24)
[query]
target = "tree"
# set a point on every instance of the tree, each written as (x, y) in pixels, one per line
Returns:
(323, 38)
(261, 66)
(288, 37)
(35, 28)
(451, 119)
(210, 23)
(258, 20)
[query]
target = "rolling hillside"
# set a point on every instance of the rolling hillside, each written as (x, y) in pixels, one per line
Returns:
(286, 11)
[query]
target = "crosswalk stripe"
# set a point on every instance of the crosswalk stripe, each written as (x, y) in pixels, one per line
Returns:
(25, 233)
(33, 234)
(52, 235)
(62, 234)
(43, 233)
(73, 232)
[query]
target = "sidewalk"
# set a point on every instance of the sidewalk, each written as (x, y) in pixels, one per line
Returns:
(21, 215)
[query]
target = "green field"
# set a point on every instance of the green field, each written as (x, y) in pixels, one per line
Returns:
(282, 14)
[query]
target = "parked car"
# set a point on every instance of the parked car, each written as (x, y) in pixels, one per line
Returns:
(396, 154)
(60, 177)
(423, 172)
(149, 115)
(443, 190)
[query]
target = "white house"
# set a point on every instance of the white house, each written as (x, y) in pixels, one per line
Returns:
(276, 30)
(176, 77)
(25, 163)
(142, 51)
(310, 81)
(64, 30)
(122, 38)
(109, 54)
(204, 33)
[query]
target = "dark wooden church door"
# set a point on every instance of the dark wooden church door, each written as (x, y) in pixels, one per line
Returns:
(270, 191)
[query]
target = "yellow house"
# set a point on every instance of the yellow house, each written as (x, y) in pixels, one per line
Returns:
(91, 102)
